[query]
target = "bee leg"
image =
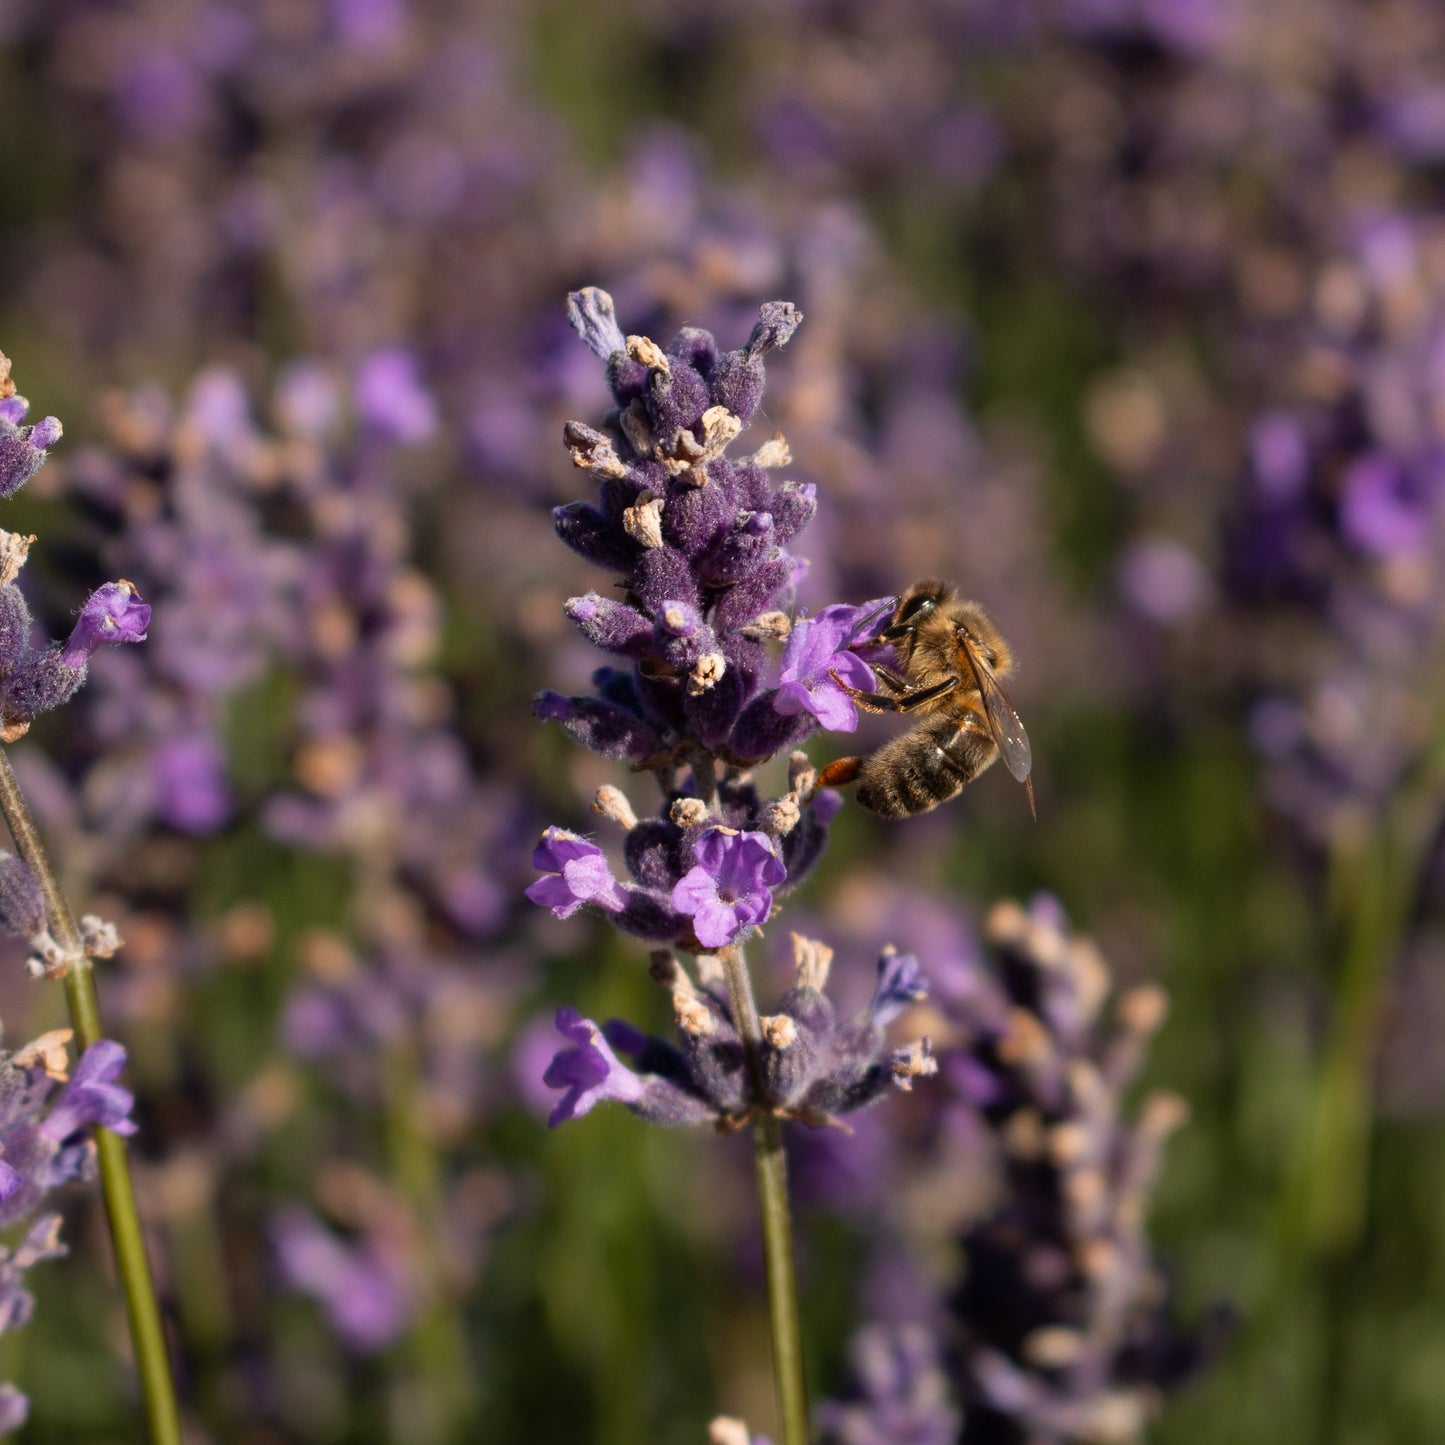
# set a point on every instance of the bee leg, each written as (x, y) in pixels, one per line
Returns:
(840, 772)
(891, 680)
(884, 702)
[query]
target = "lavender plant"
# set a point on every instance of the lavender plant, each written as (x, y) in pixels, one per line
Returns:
(701, 542)
(33, 907)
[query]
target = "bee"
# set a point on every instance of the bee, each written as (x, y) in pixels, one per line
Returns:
(952, 656)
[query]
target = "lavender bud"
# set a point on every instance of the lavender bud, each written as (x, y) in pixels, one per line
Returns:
(603, 727)
(592, 449)
(611, 625)
(22, 904)
(739, 554)
(737, 379)
(14, 628)
(592, 536)
(694, 347)
(760, 590)
(594, 318)
(23, 451)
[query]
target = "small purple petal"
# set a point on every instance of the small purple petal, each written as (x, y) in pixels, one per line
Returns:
(112, 613)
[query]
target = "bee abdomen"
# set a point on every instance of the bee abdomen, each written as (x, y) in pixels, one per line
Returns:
(908, 776)
(922, 769)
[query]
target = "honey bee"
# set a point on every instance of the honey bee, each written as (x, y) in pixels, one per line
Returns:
(952, 655)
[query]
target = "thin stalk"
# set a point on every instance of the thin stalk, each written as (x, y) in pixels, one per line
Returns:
(142, 1310)
(1375, 884)
(772, 1167)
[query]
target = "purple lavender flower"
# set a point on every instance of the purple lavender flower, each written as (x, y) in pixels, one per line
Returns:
(904, 1396)
(819, 666)
(112, 613)
(813, 1066)
(391, 399)
(357, 1286)
(577, 873)
(730, 889)
(589, 1071)
(92, 1096)
(44, 1142)
(1067, 1328)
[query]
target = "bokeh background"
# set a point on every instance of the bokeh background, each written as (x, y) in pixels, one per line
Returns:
(1127, 314)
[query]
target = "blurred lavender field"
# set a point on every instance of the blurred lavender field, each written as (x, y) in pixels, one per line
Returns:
(1128, 316)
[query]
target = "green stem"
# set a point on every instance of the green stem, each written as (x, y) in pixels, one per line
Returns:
(146, 1331)
(772, 1166)
(437, 1339)
(1374, 886)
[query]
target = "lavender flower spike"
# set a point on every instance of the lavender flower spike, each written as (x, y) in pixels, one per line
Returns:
(817, 649)
(730, 889)
(112, 613)
(577, 874)
(589, 1071)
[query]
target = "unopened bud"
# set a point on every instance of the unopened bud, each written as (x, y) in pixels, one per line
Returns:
(643, 521)
(100, 938)
(611, 803)
(1143, 1009)
(769, 627)
(51, 1052)
(645, 350)
(1054, 1347)
(687, 812)
(781, 816)
(633, 422)
(1005, 923)
(693, 1015)
(706, 673)
(802, 775)
(774, 452)
(779, 1030)
(812, 960)
(916, 1061)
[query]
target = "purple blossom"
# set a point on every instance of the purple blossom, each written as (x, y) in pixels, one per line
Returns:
(189, 775)
(589, 1071)
(391, 399)
(92, 1096)
(1386, 508)
(359, 1289)
(817, 648)
(112, 613)
(730, 889)
(578, 873)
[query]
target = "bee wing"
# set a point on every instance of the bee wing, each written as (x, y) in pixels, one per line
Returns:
(1003, 722)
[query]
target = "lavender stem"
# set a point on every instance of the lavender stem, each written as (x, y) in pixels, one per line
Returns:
(772, 1166)
(1375, 888)
(142, 1310)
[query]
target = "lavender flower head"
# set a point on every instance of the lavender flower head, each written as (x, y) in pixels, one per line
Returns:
(813, 1067)
(45, 1123)
(33, 680)
(903, 1395)
(1066, 1323)
(700, 540)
